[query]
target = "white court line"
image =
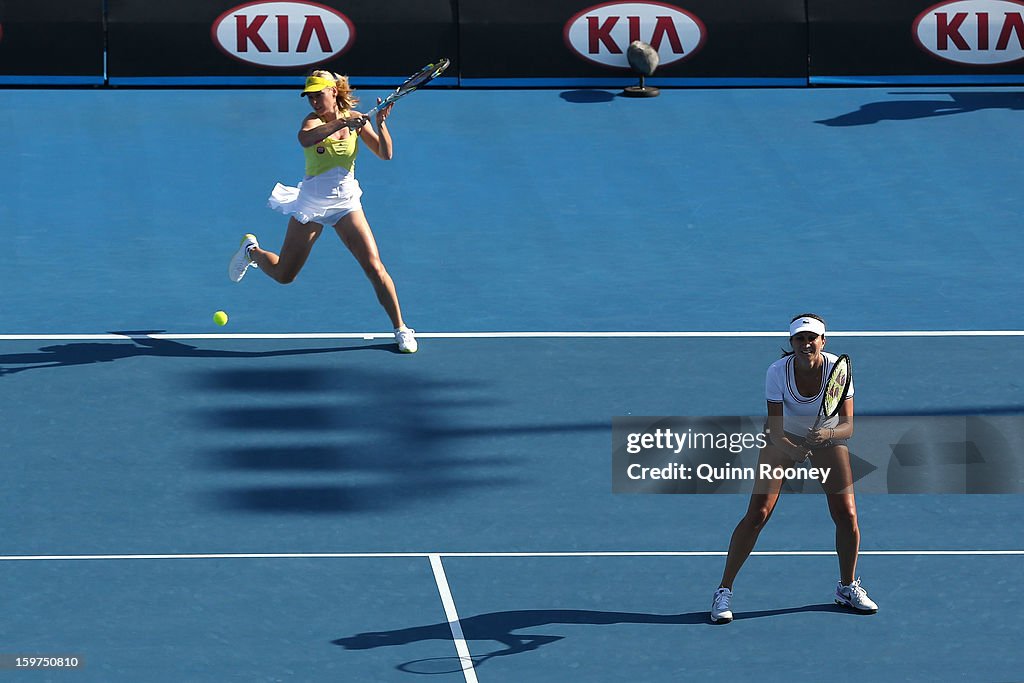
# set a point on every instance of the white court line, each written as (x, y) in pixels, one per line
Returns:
(608, 553)
(505, 335)
(461, 647)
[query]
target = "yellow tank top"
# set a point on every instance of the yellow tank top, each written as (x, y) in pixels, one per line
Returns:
(330, 153)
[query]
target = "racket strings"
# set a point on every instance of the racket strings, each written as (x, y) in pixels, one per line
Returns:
(428, 73)
(835, 388)
(414, 82)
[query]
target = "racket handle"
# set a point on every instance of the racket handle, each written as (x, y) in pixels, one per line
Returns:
(377, 107)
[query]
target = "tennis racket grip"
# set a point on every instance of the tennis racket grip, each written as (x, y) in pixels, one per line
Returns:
(368, 116)
(380, 105)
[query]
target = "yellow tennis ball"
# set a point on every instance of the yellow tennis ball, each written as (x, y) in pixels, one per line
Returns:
(220, 317)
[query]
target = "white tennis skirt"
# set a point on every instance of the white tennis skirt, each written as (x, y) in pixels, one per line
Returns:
(323, 198)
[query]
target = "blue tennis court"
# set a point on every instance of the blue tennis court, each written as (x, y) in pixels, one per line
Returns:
(289, 498)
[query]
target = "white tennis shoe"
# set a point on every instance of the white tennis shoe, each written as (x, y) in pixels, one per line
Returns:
(406, 339)
(240, 262)
(855, 597)
(721, 606)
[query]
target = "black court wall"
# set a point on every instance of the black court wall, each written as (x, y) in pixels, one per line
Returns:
(916, 41)
(51, 42)
(498, 43)
(210, 42)
(709, 42)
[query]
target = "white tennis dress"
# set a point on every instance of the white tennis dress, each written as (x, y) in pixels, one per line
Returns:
(323, 198)
(799, 412)
(329, 190)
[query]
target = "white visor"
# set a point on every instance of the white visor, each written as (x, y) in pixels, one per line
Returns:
(807, 325)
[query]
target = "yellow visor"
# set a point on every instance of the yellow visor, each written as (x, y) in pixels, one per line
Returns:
(316, 84)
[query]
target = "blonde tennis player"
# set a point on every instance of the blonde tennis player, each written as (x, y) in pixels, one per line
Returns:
(329, 195)
(793, 388)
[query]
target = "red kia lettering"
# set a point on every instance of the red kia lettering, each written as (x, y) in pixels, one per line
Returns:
(602, 33)
(283, 33)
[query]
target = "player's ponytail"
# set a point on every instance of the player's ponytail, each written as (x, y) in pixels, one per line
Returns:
(346, 94)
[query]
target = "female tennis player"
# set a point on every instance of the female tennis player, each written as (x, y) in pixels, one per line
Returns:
(793, 387)
(329, 195)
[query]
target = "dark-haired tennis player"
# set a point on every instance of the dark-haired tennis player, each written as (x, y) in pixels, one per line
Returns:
(793, 388)
(329, 195)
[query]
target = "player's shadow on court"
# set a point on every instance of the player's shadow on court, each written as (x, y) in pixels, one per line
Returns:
(87, 353)
(906, 109)
(501, 627)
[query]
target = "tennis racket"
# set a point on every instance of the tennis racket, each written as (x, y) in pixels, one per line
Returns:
(836, 387)
(414, 82)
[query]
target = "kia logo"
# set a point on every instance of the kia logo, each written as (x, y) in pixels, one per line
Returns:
(283, 34)
(978, 32)
(602, 33)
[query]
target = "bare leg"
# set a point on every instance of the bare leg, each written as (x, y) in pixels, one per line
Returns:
(298, 242)
(842, 506)
(843, 509)
(355, 232)
(759, 511)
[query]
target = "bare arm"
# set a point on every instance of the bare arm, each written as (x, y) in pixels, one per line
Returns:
(379, 141)
(314, 130)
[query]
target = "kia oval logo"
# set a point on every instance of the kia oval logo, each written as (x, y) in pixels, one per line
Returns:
(283, 34)
(976, 32)
(602, 33)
